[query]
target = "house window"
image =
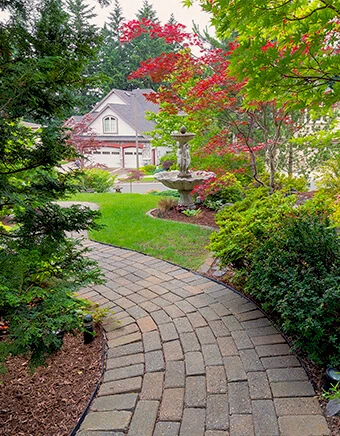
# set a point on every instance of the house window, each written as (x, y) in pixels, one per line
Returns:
(110, 125)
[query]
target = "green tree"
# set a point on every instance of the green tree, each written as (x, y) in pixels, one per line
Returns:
(287, 50)
(119, 56)
(112, 62)
(147, 11)
(43, 57)
(81, 16)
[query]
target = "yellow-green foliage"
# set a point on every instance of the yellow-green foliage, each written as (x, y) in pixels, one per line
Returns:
(330, 179)
(98, 179)
(243, 224)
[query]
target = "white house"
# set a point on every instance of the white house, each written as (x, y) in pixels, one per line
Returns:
(119, 123)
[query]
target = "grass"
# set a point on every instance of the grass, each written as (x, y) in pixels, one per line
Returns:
(128, 226)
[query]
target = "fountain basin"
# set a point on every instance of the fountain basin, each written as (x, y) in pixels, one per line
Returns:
(184, 184)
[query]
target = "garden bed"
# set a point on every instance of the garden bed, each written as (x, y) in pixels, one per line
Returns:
(51, 400)
(206, 217)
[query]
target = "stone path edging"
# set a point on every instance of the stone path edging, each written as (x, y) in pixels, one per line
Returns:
(191, 358)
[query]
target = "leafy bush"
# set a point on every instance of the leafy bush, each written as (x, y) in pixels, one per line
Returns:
(244, 225)
(148, 169)
(288, 184)
(330, 179)
(285, 183)
(167, 193)
(215, 204)
(192, 212)
(169, 160)
(235, 163)
(166, 204)
(97, 179)
(217, 191)
(295, 274)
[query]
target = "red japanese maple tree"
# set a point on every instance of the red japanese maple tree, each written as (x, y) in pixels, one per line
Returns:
(203, 88)
(82, 139)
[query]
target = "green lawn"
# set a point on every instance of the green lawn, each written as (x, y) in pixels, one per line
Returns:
(128, 226)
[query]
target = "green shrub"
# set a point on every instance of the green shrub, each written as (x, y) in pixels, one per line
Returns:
(148, 169)
(295, 274)
(167, 193)
(37, 297)
(219, 190)
(192, 212)
(330, 179)
(285, 183)
(97, 179)
(169, 160)
(235, 163)
(243, 225)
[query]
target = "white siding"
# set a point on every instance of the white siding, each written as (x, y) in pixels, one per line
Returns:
(123, 128)
(160, 152)
(111, 99)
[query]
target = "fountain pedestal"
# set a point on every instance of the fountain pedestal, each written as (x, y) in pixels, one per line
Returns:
(183, 180)
(184, 185)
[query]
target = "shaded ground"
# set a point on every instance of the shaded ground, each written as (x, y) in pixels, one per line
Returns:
(51, 400)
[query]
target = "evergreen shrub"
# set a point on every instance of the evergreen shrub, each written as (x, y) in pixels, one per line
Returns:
(295, 274)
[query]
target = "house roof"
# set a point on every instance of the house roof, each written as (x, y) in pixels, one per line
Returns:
(33, 126)
(120, 139)
(133, 110)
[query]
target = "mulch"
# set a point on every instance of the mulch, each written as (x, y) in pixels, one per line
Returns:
(206, 217)
(52, 399)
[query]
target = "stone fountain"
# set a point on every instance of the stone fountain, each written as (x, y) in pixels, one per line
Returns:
(183, 180)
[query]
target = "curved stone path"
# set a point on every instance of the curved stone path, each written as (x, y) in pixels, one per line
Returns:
(190, 357)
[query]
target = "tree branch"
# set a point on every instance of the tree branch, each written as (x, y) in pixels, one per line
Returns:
(308, 15)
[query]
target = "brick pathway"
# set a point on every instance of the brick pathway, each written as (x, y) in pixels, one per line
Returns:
(191, 358)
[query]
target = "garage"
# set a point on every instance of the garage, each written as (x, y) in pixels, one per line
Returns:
(130, 157)
(106, 156)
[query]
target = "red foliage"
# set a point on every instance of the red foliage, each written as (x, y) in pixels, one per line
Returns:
(159, 68)
(172, 33)
(204, 89)
(267, 46)
(81, 137)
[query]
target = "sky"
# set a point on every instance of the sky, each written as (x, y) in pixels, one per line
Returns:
(164, 8)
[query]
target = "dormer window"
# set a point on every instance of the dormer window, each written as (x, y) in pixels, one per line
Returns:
(110, 125)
